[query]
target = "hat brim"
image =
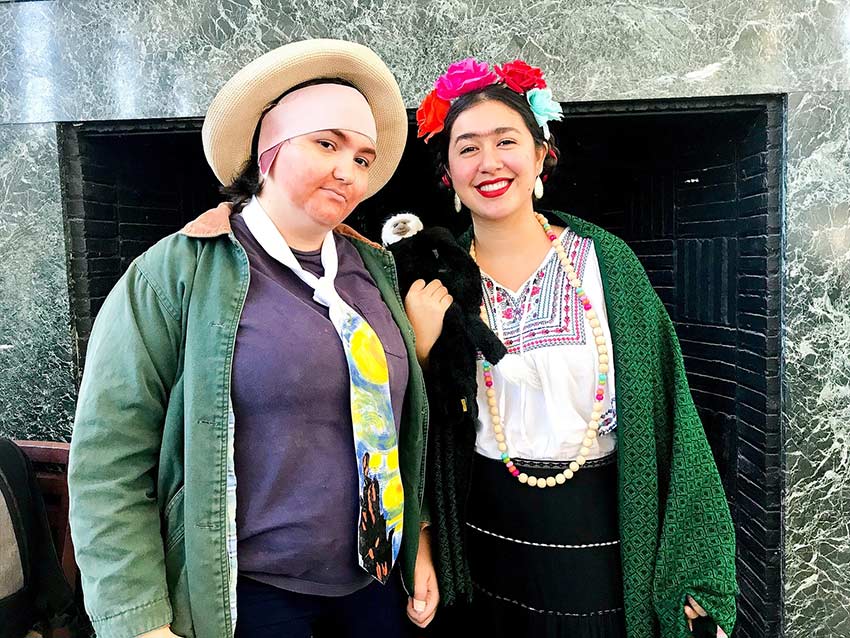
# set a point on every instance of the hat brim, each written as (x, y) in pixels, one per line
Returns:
(232, 117)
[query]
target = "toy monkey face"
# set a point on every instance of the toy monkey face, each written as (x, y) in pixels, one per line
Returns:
(432, 253)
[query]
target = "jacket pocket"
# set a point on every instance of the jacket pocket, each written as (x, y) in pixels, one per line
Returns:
(175, 567)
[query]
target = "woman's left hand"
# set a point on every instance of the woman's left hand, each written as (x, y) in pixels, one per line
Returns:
(422, 606)
(425, 307)
(694, 610)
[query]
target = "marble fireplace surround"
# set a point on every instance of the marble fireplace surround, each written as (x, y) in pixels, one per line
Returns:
(85, 60)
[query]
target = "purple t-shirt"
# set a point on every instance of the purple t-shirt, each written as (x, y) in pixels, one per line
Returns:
(297, 496)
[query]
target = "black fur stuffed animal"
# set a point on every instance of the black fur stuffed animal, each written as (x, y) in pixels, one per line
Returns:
(433, 253)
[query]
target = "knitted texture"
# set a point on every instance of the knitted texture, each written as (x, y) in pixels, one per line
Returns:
(676, 533)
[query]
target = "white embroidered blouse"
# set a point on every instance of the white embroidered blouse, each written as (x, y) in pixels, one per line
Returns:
(544, 322)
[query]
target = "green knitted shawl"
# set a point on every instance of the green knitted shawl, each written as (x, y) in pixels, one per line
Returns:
(676, 532)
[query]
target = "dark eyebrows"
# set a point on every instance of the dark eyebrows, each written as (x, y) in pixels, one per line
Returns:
(496, 131)
(366, 150)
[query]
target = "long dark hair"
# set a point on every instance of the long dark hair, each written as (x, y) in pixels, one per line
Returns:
(247, 183)
(511, 99)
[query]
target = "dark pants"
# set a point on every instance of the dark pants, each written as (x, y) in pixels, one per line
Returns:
(265, 611)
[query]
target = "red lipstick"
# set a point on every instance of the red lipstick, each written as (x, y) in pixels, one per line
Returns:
(490, 193)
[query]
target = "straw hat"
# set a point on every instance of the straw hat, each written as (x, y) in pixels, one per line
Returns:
(234, 112)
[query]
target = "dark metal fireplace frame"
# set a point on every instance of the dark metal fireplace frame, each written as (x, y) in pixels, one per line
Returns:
(752, 448)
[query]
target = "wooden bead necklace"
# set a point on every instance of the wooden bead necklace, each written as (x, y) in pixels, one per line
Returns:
(602, 354)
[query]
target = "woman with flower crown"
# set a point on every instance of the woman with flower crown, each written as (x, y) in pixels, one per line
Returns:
(586, 502)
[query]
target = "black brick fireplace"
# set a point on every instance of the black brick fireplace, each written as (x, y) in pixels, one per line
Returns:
(694, 187)
(125, 185)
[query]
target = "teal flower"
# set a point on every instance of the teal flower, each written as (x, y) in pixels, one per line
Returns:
(544, 108)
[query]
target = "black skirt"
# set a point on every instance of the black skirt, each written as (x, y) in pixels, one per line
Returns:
(545, 562)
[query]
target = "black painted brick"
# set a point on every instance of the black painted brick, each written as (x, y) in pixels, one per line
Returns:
(97, 247)
(752, 340)
(96, 303)
(708, 334)
(709, 350)
(656, 262)
(703, 230)
(100, 229)
(100, 286)
(753, 499)
(715, 211)
(661, 280)
(103, 265)
(714, 394)
(712, 368)
(99, 211)
(706, 195)
(710, 175)
(99, 193)
(752, 304)
(149, 233)
(752, 205)
(664, 247)
(81, 305)
(99, 174)
(758, 142)
(752, 226)
(752, 590)
(757, 362)
(752, 185)
(752, 322)
(147, 215)
(147, 196)
(752, 165)
(133, 247)
(748, 397)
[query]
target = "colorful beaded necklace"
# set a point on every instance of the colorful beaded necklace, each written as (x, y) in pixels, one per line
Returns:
(602, 353)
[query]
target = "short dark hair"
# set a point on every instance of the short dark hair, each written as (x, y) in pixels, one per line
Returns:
(511, 99)
(247, 182)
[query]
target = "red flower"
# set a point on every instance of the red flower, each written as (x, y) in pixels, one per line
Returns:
(431, 115)
(520, 76)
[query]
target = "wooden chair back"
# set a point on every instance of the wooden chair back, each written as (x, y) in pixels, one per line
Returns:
(50, 460)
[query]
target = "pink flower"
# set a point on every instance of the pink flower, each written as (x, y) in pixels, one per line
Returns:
(508, 314)
(464, 76)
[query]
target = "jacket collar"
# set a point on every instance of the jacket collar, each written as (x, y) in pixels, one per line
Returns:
(216, 222)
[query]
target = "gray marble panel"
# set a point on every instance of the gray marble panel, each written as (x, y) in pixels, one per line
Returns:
(817, 367)
(36, 380)
(111, 59)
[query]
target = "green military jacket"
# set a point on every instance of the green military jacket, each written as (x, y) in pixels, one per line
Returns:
(152, 511)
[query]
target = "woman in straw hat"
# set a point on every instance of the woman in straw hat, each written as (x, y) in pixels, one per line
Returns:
(252, 388)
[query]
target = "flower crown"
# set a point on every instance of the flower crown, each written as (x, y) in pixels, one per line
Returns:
(465, 76)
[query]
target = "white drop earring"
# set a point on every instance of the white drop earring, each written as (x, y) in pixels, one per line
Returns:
(458, 205)
(538, 188)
